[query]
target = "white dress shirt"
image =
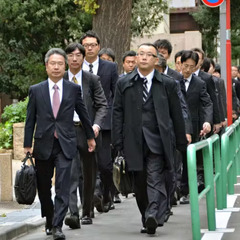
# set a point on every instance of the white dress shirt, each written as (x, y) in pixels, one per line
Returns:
(187, 81)
(51, 89)
(95, 64)
(78, 76)
(149, 79)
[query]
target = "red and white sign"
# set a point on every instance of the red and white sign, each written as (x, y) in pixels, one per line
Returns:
(213, 3)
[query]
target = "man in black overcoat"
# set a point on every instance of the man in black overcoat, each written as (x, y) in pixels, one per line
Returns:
(146, 107)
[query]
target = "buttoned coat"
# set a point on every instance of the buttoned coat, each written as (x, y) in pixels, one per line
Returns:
(199, 105)
(127, 117)
(40, 115)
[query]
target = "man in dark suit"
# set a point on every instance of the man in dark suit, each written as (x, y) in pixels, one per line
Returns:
(51, 108)
(129, 62)
(107, 71)
(200, 107)
(173, 178)
(96, 104)
(164, 47)
(211, 89)
(145, 111)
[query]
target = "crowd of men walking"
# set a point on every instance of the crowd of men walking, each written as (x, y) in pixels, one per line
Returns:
(82, 117)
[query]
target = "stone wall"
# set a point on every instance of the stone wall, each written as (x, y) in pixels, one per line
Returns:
(179, 41)
(18, 136)
(6, 186)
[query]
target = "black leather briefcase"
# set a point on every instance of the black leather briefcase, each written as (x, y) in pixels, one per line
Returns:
(123, 180)
(25, 187)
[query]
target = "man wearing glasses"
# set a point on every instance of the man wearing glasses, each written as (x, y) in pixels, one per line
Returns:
(107, 71)
(200, 106)
(84, 165)
(146, 110)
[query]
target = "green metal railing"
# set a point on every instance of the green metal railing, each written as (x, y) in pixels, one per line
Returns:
(206, 147)
(227, 167)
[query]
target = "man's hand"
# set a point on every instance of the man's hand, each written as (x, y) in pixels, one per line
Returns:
(217, 127)
(27, 149)
(224, 124)
(91, 144)
(189, 138)
(96, 130)
(206, 129)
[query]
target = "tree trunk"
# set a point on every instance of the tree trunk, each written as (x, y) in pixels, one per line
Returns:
(112, 23)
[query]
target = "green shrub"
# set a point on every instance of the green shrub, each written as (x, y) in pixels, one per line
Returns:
(14, 113)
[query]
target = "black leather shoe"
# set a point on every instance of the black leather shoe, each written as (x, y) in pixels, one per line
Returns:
(112, 206)
(168, 214)
(143, 230)
(106, 206)
(58, 234)
(48, 231)
(86, 220)
(98, 202)
(151, 224)
(174, 199)
(73, 222)
(184, 199)
(117, 199)
(48, 226)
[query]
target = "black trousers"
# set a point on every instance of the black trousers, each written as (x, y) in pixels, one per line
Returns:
(149, 187)
(104, 183)
(45, 170)
(174, 177)
(85, 166)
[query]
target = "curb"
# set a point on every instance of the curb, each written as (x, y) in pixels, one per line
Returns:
(17, 230)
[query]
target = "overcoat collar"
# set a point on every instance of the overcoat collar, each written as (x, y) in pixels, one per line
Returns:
(134, 75)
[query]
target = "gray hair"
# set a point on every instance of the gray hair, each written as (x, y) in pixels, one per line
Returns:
(58, 51)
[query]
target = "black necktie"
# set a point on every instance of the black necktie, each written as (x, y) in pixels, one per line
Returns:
(145, 90)
(90, 68)
(182, 84)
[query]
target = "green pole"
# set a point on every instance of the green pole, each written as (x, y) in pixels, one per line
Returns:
(218, 175)
(193, 190)
(224, 145)
(209, 181)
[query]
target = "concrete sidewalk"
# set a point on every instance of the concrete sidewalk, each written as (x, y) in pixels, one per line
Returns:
(25, 223)
(16, 219)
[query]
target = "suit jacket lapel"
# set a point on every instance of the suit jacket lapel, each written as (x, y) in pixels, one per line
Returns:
(65, 95)
(100, 67)
(85, 84)
(191, 85)
(46, 96)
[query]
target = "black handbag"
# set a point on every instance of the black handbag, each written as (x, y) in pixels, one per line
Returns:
(25, 187)
(122, 179)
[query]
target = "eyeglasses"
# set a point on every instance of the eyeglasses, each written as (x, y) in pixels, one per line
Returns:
(56, 63)
(92, 45)
(71, 55)
(142, 54)
(191, 67)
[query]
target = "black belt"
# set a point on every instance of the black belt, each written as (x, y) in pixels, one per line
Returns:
(77, 124)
